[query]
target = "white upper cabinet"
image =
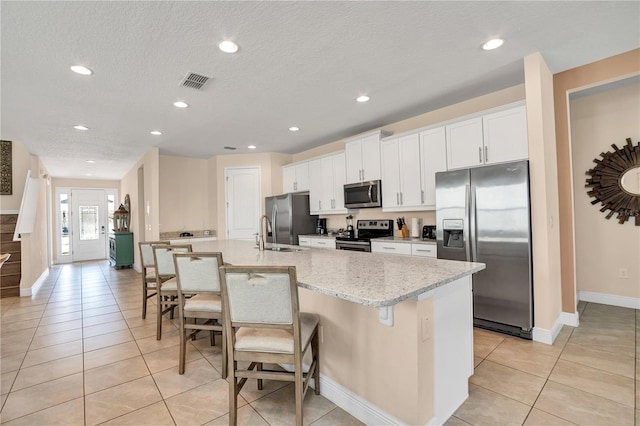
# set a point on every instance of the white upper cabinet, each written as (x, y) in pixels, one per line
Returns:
(464, 144)
(295, 177)
(433, 159)
(363, 158)
(401, 183)
(505, 135)
(327, 179)
(492, 138)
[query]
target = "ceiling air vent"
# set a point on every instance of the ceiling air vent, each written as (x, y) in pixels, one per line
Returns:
(195, 81)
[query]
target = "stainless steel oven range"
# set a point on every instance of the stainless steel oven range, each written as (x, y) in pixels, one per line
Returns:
(366, 230)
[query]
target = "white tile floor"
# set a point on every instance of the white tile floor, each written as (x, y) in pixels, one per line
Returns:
(78, 353)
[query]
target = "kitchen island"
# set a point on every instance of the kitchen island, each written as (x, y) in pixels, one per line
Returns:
(396, 332)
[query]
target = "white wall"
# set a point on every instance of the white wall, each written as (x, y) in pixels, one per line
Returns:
(603, 246)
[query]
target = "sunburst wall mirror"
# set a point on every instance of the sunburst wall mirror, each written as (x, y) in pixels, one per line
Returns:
(615, 182)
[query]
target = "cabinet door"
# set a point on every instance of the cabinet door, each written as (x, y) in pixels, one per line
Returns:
(371, 168)
(327, 243)
(326, 198)
(433, 158)
(424, 250)
(339, 179)
(315, 186)
(505, 135)
(409, 168)
(391, 248)
(304, 241)
(464, 144)
(390, 173)
(353, 157)
(288, 178)
(302, 176)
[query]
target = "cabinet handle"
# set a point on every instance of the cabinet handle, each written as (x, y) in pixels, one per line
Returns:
(321, 243)
(319, 204)
(388, 248)
(361, 174)
(421, 196)
(480, 154)
(426, 251)
(333, 204)
(401, 203)
(398, 198)
(486, 154)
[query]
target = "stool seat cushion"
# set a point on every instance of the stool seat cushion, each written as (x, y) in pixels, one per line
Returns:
(203, 303)
(275, 340)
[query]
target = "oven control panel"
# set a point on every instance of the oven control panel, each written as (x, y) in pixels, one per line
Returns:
(375, 224)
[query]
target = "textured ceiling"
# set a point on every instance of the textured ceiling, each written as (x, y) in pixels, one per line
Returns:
(299, 63)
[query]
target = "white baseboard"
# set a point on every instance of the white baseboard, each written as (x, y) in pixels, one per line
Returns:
(568, 318)
(609, 299)
(9, 211)
(543, 335)
(355, 405)
(30, 291)
(137, 268)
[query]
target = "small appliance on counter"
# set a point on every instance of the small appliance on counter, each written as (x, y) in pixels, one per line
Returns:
(429, 232)
(350, 231)
(321, 226)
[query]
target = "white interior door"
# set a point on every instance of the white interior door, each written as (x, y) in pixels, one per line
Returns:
(243, 202)
(89, 224)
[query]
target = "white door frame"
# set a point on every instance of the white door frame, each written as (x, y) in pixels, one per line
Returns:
(227, 171)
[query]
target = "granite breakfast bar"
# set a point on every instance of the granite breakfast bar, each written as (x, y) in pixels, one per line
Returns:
(396, 331)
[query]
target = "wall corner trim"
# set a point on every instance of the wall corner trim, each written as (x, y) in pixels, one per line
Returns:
(543, 335)
(609, 299)
(30, 291)
(570, 318)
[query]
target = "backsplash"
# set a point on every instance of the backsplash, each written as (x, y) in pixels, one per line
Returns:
(337, 221)
(196, 234)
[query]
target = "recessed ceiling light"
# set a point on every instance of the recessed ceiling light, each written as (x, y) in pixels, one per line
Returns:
(251, 147)
(180, 104)
(294, 129)
(87, 174)
(493, 44)
(363, 98)
(91, 161)
(79, 69)
(80, 127)
(155, 132)
(227, 46)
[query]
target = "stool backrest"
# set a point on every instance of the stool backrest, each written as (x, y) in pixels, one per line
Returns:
(146, 252)
(198, 272)
(163, 258)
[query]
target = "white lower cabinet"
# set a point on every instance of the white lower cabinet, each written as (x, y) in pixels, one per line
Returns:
(391, 247)
(304, 241)
(327, 243)
(424, 250)
(406, 249)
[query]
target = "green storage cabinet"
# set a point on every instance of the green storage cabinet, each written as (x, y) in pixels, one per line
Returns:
(121, 250)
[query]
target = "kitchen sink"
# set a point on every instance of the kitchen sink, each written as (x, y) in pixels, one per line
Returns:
(283, 249)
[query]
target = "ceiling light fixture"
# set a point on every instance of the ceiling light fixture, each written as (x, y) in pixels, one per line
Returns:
(87, 174)
(294, 129)
(493, 44)
(363, 98)
(180, 104)
(91, 161)
(80, 127)
(79, 69)
(227, 46)
(155, 132)
(251, 147)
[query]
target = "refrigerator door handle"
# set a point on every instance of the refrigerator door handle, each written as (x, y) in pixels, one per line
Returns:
(467, 221)
(473, 229)
(274, 225)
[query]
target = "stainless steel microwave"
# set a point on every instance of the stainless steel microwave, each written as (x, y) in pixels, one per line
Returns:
(363, 195)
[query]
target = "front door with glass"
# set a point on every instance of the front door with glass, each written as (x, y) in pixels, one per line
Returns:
(89, 224)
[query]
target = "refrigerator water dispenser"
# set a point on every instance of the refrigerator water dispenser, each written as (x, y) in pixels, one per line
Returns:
(452, 233)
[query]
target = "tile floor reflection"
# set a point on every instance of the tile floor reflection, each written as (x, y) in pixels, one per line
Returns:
(78, 353)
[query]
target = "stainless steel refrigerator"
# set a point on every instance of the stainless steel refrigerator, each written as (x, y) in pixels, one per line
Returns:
(289, 217)
(483, 215)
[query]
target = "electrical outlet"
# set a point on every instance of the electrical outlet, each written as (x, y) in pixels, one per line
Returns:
(426, 329)
(624, 273)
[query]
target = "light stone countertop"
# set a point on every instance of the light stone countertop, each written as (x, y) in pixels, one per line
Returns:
(371, 279)
(327, 236)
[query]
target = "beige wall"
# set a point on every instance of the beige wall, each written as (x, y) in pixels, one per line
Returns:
(544, 192)
(598, 72)
(21, 162)
(150, 162)
(184, 191)
(34, 256)
(603, 246)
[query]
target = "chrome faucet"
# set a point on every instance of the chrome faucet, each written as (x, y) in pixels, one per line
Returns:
(263, 220)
